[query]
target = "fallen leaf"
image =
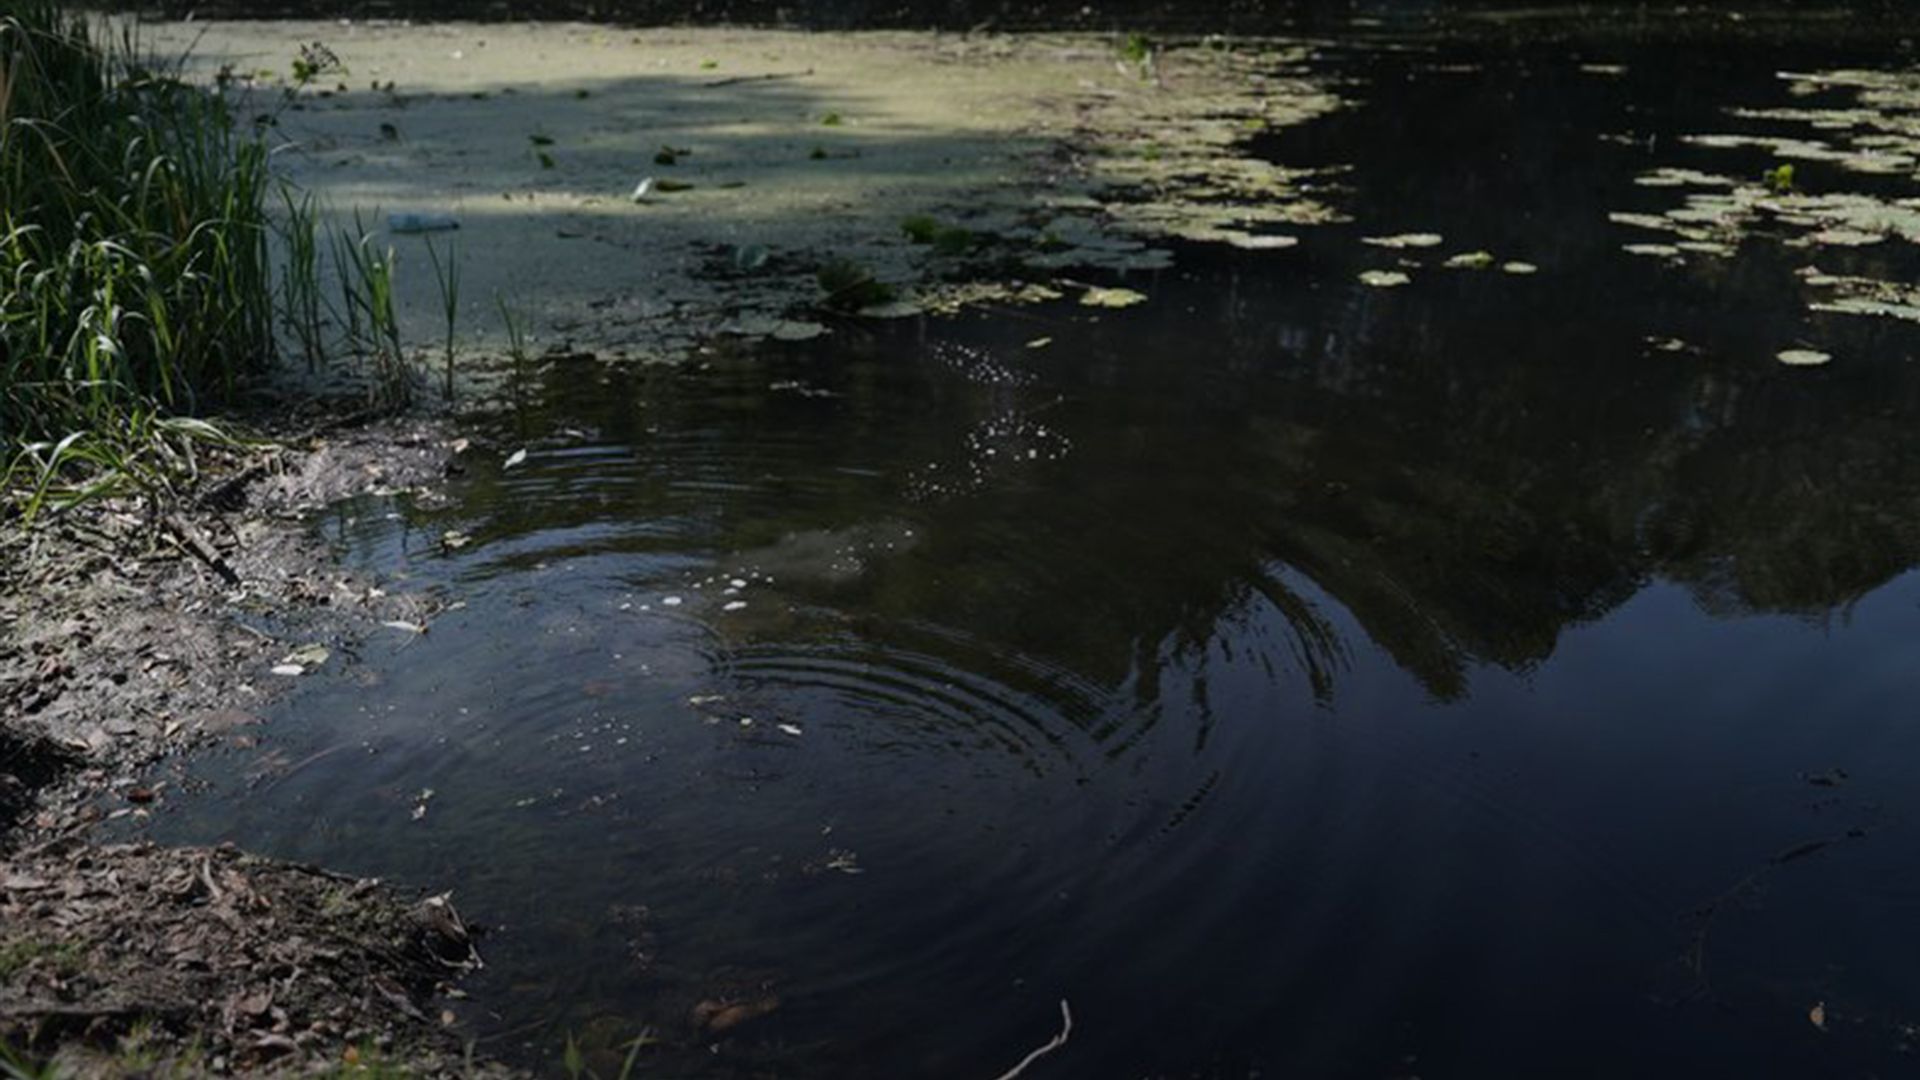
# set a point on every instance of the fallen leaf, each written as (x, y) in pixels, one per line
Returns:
(310, 656)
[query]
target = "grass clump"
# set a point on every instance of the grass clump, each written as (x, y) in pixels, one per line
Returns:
(152, 263)
(133, 234)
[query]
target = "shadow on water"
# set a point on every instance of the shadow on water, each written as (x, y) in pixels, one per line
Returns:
(1301, 678)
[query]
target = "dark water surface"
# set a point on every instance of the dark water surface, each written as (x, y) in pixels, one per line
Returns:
(1301, 679)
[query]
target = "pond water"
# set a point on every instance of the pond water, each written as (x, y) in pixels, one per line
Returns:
(1496, 675)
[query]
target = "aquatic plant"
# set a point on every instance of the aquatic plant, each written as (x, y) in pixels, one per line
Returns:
(944, 238)
(849, 286)
(366, 275)
(447, 276)
(1779, 179)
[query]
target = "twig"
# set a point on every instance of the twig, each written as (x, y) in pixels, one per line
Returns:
(737, 79)
(1058, 1041)
(195, 543)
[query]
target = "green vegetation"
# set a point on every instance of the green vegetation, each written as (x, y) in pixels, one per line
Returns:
(1136, 48)
(19, 953)
(154, 265)
(943, 238)
(447, 276)
(133, 235)
(1779, 179)
(849, 287)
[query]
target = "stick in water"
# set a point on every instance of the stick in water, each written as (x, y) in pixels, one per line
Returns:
(1058, 1041)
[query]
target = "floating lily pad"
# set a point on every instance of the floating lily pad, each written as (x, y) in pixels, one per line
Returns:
(1404, 240)
(1803, 357)
(1262, 243)
(1384, 279)
(1519, 268)
(1470, 260)
(1112, 298)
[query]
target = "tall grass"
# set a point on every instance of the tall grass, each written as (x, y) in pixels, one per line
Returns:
(134, 267)
(140, 226)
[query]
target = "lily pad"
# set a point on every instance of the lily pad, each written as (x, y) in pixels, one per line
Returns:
(1262, 243)
(1384, 279)
(1111, 298)
(1803, 357)
(1469, 260)
(1519, 268)
(1404, 240)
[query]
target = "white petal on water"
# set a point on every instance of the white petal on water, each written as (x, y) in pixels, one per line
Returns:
(289, 670)
(733, 605)
(518, 457)
(671, 601)
(791, 729)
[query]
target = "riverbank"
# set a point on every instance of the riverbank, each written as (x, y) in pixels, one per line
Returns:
(135, 634)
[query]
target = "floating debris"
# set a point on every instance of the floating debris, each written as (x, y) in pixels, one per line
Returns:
(1519, 268)
(517, 458)
(790, 729)
(1469, 260)
(1384, 279)
(1803, 357)
(307, 656)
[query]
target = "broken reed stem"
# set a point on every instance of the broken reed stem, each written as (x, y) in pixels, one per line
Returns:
(1058, 1041)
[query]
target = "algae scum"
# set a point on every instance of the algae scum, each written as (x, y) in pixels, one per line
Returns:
(1508, 671)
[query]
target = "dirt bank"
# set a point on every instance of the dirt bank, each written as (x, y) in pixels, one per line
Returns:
(131, 636)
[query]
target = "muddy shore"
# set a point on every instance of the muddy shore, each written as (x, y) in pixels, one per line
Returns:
(131, 638)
